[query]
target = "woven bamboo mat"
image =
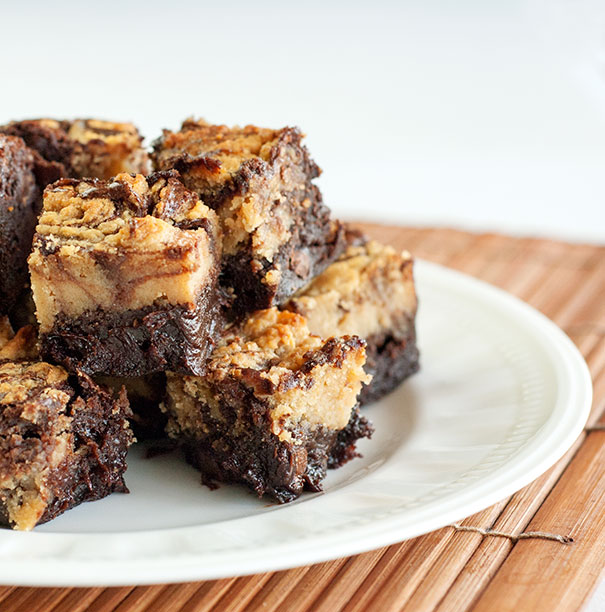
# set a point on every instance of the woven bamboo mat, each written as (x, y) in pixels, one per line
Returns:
(450, 569)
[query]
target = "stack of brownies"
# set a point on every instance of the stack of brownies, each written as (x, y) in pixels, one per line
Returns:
(202, 293)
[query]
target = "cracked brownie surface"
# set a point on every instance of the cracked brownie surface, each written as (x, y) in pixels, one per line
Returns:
(277, 232)
(124, 275)
(63, 441)
(81, 148)
(275, 408)
(20, 201)
(368, 292)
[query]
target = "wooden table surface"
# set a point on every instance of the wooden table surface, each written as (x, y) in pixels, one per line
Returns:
(449, 569)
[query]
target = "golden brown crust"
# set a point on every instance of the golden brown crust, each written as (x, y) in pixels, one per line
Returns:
(230, 145)
(213, 159)
(266, 337)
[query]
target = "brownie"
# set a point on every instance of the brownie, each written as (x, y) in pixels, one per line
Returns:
(124, 276)
(20, 200)
(276, 407)
(278, 234)
(368, 292)
(63, 441)
(81, 148)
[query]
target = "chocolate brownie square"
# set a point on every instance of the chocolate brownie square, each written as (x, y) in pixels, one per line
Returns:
(81, 148)
(63, 441)
(276, 407)
(278, 234)
(368, 292)
(124, 275)
(20, 201)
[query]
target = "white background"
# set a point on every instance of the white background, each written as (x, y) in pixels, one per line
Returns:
(484, 115)
(487, 115)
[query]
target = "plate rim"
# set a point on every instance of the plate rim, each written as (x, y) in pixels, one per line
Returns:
(48, 570)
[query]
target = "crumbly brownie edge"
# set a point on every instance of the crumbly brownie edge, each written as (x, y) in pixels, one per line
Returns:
(344, 449)
(237, 445)
(280, 469)
(20, 201)
(137, 342)
(102, 438)
(390, 359)
(316, 242)
(95, 466)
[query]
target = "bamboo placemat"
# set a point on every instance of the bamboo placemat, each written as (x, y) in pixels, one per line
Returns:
(450, 569)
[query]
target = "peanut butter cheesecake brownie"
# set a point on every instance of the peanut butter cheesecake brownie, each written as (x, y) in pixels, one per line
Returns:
(276, 407)
(81, 148)
(63, 440)
(368, 292)
(278, 234)
(20, 201)
(124, 275)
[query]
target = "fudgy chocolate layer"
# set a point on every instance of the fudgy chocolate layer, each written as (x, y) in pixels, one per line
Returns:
(20, 201)
(102, 443)
(390, 360)
(259, 460)
(315, 243)
(344, 447)
(157, 338)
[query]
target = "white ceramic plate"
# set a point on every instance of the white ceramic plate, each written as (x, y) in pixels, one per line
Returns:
(502, 394)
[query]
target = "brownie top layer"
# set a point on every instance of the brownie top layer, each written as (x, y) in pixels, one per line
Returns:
(302, 378)
(43, 385)
(368, 290)
(121, 244)
(224, 148)
(254, 177)
(267, 340)
(81, 148)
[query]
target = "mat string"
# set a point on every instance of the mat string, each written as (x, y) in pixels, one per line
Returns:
(528, 535)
